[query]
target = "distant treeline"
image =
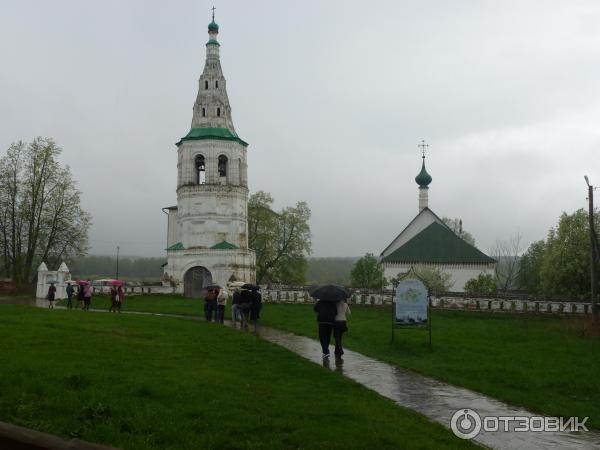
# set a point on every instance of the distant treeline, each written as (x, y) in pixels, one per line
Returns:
(320, 270)
(138, 269)
(330, 270)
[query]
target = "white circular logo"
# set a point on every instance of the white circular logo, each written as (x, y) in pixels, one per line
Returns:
(465, 423)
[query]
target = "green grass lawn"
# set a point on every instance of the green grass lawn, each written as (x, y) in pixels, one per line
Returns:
(142, 382)
(544, 363)
(172, 304)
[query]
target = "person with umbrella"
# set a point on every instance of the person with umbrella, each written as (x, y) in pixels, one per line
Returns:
(326, 308)
(340, 326)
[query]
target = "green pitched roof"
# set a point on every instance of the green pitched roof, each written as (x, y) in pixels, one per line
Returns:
(177, 246)
(212, 133)
(438, 244)
(224, 245)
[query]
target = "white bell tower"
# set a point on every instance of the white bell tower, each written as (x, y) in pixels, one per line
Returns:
(207, 238)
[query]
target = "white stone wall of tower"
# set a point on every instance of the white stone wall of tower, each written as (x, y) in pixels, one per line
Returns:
(211, 149)
(423, 198)
(172, 234)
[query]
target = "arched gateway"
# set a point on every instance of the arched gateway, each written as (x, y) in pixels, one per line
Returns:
(195, 281)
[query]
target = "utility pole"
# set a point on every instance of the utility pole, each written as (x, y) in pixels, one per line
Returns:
(117, 277)
(594, 254)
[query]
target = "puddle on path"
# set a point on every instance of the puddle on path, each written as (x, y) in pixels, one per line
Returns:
(436, 400)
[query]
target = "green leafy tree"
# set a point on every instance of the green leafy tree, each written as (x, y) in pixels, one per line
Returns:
(41, 218)
(566, 264)
(561, 264)
(367, 273)
(483, 284)
(281, 240)
(531, 268)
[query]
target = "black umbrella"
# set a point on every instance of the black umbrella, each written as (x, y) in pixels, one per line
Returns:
(250, 287)
(330, 293)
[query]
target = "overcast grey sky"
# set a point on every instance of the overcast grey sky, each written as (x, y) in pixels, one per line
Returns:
(333, 98)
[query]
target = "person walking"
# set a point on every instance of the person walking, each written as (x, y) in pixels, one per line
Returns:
(245, 305)
(80, 295)
(235, 307)
(121, 296)
(51, 296)
(255, 307)
(87, 296)
(210, 304)
(221, 303)
(340, 326)
(69, 291)
(114, 299)
(326, 312)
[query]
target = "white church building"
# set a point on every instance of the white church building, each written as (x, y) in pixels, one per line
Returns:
(428, 241)
(207, 237)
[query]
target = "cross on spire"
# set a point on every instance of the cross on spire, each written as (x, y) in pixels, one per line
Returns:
(213, 13)
(423, 147)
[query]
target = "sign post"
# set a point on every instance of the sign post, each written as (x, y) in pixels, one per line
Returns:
(412, 306)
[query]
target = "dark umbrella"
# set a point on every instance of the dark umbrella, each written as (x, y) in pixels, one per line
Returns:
(251, 287)
(329, 293)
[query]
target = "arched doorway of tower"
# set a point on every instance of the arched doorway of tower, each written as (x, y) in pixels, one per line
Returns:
(195, 281)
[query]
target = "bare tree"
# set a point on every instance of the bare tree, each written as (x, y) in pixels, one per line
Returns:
(507, 254)
(40, 213)
(456, 225)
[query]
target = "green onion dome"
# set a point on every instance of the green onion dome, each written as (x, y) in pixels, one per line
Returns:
(213, 27)
(423, 179)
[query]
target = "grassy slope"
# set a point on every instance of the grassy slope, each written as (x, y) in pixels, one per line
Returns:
(542, 363)
(152, 382)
